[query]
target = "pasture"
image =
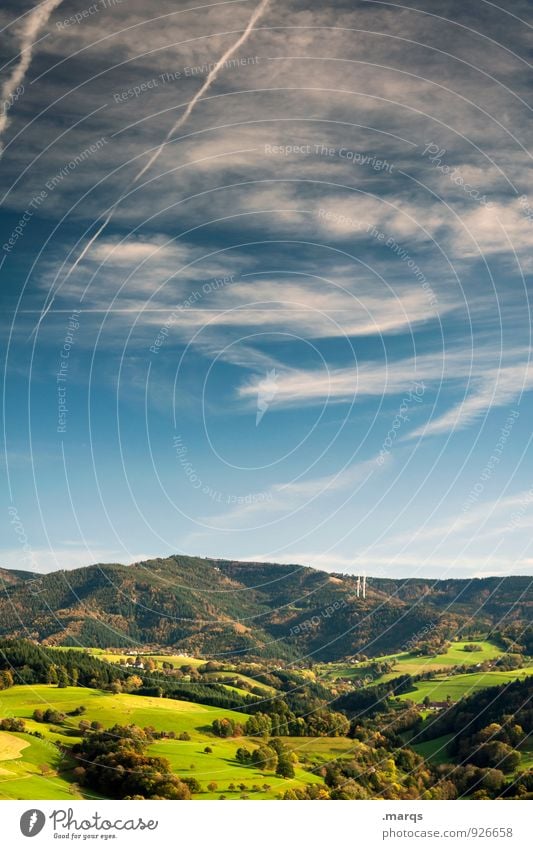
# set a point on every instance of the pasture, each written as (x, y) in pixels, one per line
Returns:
(458, 686)
(33, 769)
(407, 663)
(38, 764)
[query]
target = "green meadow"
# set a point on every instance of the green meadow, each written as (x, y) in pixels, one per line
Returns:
(221, 676)
(407, 663)
(109, 709)
(455, 656)
(435, 751)
(189, 758)
(176, 659)
(458, 686)
(526, 760)
(113, 657)
(220, 766)
(33, 768)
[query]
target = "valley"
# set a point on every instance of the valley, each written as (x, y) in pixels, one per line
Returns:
(38, 762)
(206, 679)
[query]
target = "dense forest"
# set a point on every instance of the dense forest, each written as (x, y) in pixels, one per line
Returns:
(206, 606)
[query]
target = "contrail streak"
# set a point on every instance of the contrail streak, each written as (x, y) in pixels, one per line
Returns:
(33, 24)
(74, 266)
(211, 77)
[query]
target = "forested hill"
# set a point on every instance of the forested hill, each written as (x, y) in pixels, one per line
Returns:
(222, 607)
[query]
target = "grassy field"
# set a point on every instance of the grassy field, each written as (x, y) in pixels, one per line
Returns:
(189, 759)
(434, 751)
(113, 657)
(411, 664)
(107, 708)
(232, 675)
(33, 769)
(526, 756)
(458, 686)
(186, 757)
(455, 656)
(178, 660)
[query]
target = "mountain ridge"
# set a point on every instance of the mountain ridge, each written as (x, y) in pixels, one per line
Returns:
(217, 606)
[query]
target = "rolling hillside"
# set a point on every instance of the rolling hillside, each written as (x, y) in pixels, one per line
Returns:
(221, 608)
(33, 768)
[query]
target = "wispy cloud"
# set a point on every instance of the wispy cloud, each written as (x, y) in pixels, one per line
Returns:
(501, 228)
(485, 518)
(483, 380)
(204, 88)
(33, 23)
(288, 497)
(486, 389)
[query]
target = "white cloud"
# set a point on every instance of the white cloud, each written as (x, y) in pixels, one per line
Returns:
(32, 25)
(291, 496)
(485, 381)
(495, 386)
(131, 252)
(500, 228)
(467, 524)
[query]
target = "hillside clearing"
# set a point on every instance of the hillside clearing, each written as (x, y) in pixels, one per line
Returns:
(458, 686)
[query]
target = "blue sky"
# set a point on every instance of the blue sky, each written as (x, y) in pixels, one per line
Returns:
(275, 311)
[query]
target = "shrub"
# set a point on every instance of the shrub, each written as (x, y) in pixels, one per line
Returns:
(193, 784)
